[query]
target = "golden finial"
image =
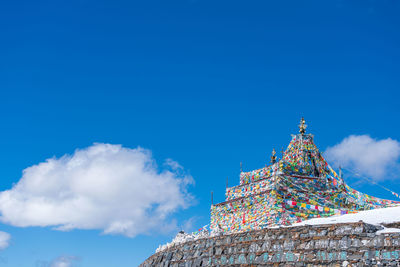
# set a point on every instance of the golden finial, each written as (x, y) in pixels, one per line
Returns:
(273, 157)
(302, 126)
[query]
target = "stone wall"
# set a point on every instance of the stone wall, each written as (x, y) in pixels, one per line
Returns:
(355, 244)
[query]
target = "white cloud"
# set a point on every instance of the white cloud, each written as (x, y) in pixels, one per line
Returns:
(367, 156)
(4, 240)
(173, 164)
(118, 190)
(64, 261)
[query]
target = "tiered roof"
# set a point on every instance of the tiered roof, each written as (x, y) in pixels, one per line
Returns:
(301, 185)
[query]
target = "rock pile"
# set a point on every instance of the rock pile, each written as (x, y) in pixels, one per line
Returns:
(351, 244)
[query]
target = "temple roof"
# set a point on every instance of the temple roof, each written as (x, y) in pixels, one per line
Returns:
(299, 186)
(301, 157)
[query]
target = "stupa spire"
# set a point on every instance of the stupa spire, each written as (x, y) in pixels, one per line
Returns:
(273, 157)
(302, 126)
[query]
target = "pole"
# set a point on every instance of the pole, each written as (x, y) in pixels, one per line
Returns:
(212, 198)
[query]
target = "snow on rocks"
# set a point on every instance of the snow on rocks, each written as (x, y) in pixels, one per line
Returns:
(183, 237)
(375, 217)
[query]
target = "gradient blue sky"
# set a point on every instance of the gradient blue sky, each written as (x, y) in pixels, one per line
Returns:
(206, 83)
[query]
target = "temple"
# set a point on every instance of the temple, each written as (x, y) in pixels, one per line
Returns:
(299, 186)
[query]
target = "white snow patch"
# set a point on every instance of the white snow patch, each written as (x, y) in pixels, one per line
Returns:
(388, 230)
(183, 237)
(376, 216)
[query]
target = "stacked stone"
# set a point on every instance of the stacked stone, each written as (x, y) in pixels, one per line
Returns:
(355, 244)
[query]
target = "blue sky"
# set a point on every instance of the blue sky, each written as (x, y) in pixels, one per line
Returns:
(206, 83)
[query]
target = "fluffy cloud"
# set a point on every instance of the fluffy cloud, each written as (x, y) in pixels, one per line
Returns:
(64, 261)
(367, 156)
(4, 240)
(118, 190)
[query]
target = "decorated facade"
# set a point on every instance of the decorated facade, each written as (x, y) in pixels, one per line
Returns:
(299, 186)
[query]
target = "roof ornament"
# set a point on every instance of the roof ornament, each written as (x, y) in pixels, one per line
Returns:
(273, 157)
(302, 126)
